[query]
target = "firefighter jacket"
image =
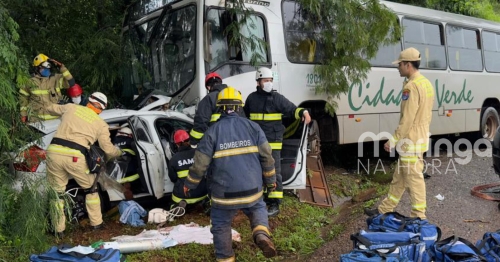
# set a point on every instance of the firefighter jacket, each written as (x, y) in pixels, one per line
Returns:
(267, 110)
(125, 144)
(412, 134)
(240, 161)
(83, 126)
(178, 172)
(43, 92)
(206, 114)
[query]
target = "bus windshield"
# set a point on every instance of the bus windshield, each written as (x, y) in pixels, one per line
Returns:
(163, 59)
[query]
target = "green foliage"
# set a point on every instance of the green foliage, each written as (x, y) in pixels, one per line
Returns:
(84, 35)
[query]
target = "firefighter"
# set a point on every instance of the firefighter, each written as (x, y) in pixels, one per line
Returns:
(178, 171)
(266, 107)
(76, 95)
(207, 113)
(411, 137)
(239, 156)
(80, 127)
(124, 140)
(45, 89)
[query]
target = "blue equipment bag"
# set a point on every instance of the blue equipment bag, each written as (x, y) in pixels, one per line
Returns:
(100, 255)
(489, 246)
(395, 222)
(386, 246)
(456, 249)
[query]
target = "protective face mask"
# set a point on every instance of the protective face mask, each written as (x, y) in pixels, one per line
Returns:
(45, 72)
(76, 100)
(267, 86)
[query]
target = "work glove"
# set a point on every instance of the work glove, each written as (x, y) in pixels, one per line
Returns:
(24, 119)
(64, 100)
(271, 187)
(55, 62)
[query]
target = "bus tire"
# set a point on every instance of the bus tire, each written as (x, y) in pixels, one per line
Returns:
(490, 121)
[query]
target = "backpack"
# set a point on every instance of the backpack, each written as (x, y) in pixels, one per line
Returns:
(456, 249)
(395, 222)
(386, 246)
(100, 255)
(489, 246)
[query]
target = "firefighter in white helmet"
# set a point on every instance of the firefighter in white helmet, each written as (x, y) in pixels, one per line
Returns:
(80, 127)
(266, 107)
(131, 179)
(44, 89)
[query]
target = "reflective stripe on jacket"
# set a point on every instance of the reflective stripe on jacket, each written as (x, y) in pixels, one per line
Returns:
(240, 161)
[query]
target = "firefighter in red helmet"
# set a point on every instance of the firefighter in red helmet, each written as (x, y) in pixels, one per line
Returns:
(207, 112)
(178, 172)
(76, 94)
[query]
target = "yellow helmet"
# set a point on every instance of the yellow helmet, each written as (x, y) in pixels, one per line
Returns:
(229, 96)
(39, 59)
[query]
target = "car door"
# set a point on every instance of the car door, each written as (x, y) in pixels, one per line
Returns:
(152, 162)
(293, 160)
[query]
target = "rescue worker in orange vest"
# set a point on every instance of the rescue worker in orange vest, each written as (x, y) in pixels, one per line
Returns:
(178, 172)
(266, 107)
(411, 137)
(80, 127)
(76, 95)
(207, 112)
(45, 89)
(239, 156)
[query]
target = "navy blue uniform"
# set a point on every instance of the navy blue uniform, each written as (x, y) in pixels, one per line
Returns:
(267, 109)
(178, 172)
(239, 158)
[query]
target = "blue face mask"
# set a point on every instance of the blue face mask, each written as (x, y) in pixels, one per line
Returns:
(45, 72)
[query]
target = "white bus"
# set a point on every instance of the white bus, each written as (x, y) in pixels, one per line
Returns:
(460, 56)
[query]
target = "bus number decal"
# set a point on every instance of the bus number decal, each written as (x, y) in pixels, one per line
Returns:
(313, 79)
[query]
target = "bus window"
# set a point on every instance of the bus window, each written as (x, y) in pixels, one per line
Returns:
(173, 50)
(428, 39)
(303, 45)
(464, 50)
(491, 45)
(223, 49)
(386, 54)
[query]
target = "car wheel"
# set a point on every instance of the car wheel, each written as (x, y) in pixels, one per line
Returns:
(489, 123)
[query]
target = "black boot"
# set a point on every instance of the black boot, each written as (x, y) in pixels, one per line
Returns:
(264, 242)
(273, 209)
(371, 212)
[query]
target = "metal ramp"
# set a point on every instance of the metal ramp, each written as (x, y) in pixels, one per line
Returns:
(316, 191)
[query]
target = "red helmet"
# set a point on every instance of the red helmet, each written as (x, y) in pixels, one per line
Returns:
(75, 90)
(180, 136)
(212, 75)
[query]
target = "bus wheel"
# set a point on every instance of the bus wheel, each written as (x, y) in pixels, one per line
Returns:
(489, 123)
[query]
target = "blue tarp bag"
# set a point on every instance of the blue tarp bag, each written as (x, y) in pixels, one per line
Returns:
(395, 222)
(489, 246)
(456, 249)
(386, 246)
(100, 255)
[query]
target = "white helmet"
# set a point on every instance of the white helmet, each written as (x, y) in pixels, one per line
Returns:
(98, 97)
(125, 131)
(263, 72)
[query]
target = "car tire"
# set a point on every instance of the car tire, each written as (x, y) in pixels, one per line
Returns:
(490, 121)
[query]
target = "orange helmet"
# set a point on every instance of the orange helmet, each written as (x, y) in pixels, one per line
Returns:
(212, 75)
(180, 136)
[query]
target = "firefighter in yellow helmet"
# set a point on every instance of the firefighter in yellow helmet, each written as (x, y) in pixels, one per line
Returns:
(239, 156)
(80, 127)
(411, 137)
(44, 89)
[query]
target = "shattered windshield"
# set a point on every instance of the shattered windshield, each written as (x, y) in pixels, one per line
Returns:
(163, 59)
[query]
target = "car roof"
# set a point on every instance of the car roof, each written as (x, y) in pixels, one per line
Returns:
(109, 115)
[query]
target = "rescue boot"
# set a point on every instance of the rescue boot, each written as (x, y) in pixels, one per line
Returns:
(264, 242)
(371, 212)
(98, 227)
(273, 209)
